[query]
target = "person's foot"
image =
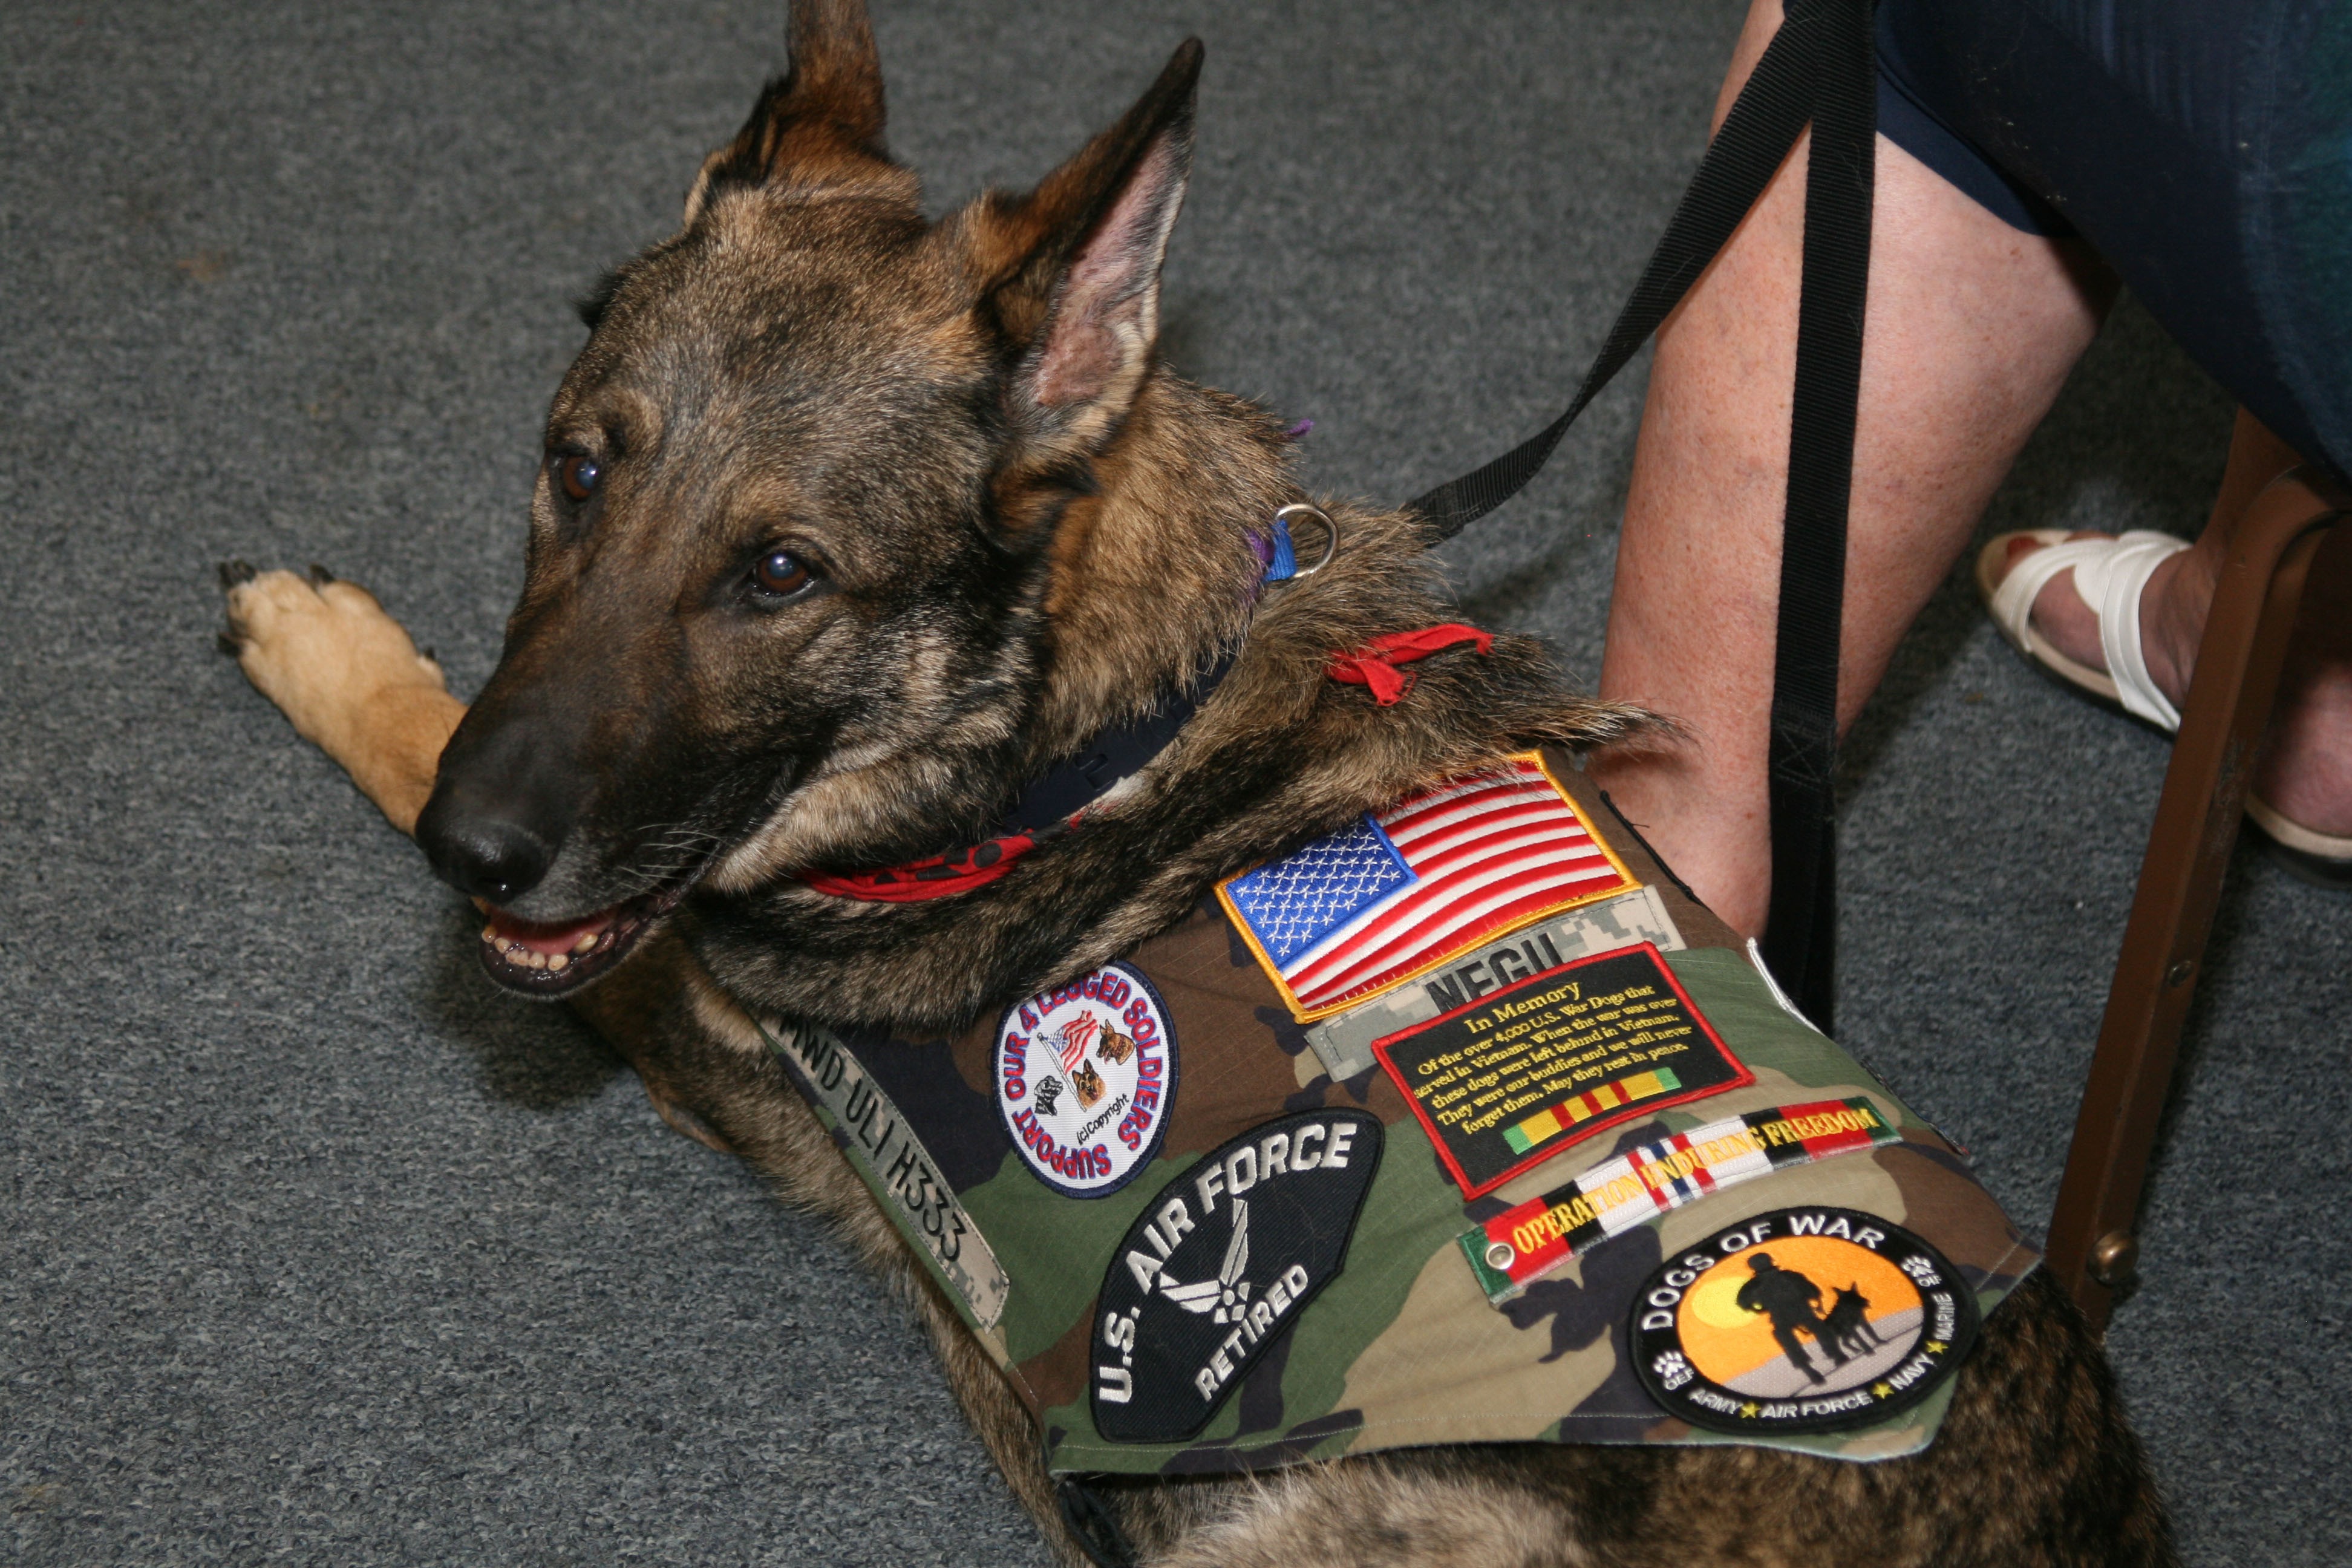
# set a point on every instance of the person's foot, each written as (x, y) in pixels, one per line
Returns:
(2167, 639)
(2307, 769)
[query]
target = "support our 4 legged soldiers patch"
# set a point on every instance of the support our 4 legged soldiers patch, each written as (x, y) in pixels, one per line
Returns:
(1219, 1265)
(1801, 1320)
(1086, 1079)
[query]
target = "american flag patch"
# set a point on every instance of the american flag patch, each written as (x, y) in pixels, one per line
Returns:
(1404, 890)
(1078, 1037)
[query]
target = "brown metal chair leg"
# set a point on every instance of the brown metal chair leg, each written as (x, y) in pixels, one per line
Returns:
(2092, 1248)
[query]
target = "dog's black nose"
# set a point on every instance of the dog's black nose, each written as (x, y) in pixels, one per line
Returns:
(507, 793)
(487, 856)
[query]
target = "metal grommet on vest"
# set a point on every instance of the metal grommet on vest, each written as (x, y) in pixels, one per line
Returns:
(1086, 1515)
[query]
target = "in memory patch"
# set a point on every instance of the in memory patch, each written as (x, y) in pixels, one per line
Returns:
(1511, 1079)
(1085, 1078)
(1218, 1266)
(1535, 1237)
(1343, 1042)
(1801, 1320)
(1399, 892)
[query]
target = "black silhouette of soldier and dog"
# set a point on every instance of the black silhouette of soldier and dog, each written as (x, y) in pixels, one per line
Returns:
(1793, 1302)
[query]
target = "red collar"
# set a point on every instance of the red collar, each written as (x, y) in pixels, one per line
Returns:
(1373, 665)
(936, 877)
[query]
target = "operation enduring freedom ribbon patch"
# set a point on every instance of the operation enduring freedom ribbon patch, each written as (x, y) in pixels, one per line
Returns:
(1801, 1320)
(1522, 1244)
(1085, 1078)
(1217, 1266)
(1510, 1081)
(1405, 890)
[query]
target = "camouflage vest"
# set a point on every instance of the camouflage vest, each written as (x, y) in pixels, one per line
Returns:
(1463, 1124)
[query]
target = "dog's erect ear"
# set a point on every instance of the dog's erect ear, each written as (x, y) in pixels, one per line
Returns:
(817, 125)
(1072, 269)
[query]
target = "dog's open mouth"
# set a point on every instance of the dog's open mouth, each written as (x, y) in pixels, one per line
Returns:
(550, 960)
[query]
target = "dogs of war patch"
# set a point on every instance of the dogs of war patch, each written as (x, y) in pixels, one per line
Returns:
(1801, 1320)
(1218, 1266)
(1084, 1077)
(1514, 1077)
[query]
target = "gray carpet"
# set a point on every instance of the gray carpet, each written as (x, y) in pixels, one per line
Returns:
(317, 1251)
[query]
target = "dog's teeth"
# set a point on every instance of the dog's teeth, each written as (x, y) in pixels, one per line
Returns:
(558, 963)
(587, 941)
(536, 960)
(490, 935)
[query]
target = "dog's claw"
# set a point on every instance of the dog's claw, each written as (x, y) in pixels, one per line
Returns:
(230, 643)
(320, 575)
(681, 1119)
(232, 573)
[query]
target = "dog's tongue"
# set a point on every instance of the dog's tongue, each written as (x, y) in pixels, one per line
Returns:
(552, 938)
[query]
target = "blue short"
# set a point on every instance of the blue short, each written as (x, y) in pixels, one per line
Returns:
(2202, 147)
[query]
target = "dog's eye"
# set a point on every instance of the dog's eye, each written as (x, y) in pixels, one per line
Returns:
(782, 572)
(579, 474)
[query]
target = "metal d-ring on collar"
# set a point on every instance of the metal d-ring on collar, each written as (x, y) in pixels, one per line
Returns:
(1077, 783)
(1284, 567)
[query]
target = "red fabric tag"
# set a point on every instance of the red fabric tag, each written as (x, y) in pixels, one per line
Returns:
(1374, 665)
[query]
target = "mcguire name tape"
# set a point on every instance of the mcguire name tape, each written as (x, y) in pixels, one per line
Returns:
(1539, 1235)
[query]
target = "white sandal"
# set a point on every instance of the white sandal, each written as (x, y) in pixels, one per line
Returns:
(2110, 574)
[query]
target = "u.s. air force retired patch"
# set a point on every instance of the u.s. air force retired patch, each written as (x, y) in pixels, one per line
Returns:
(1801, 1320)
(1218, 1266)
(1086, 1076)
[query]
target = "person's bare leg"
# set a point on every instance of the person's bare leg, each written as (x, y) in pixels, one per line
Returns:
(2307, 769)
(1971, 329)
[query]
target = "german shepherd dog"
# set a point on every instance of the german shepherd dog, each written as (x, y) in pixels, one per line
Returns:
(849, 523)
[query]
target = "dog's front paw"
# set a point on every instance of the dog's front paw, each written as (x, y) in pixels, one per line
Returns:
(321, 649)
(347, 676)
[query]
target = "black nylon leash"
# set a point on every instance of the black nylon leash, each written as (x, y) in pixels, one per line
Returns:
(1800, 931)
(1818, 69)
